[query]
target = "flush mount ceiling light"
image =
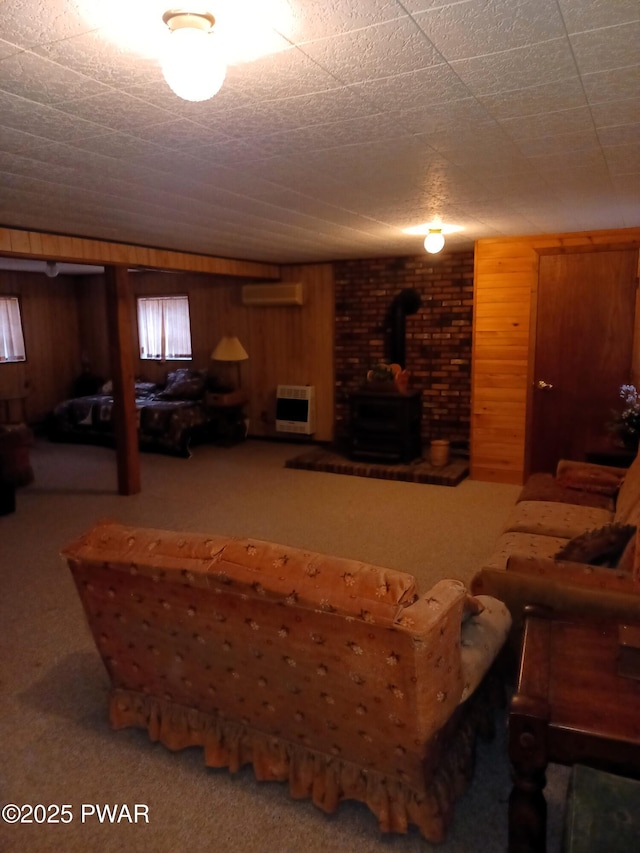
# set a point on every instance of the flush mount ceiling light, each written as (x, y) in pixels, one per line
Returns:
(434, 241)
(192, 65)
(434, 231)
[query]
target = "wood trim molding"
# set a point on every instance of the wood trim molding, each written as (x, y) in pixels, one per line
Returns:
(15, 242)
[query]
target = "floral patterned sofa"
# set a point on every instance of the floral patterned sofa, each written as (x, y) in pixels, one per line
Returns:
(331, 674)
(570, 543)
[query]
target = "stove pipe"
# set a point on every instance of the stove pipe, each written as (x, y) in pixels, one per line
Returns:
(405, 303)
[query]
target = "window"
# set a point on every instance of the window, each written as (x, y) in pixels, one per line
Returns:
(11, 337)
(164, 328)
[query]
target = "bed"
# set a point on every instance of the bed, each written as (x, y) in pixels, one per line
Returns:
(171, 417)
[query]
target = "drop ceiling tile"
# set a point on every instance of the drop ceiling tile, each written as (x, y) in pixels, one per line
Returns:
(413, 6)
(8, 49)
(541, 146)
(611, 47)
(32, 77)
(285, 75)
(586, 181)
(223, 178)
(614, 85)
(549, 124)
(628, 186)
(585, 158)
(478, 27)
(620, 135)
(17, 141)
(14, 164)
(312, 21)
(44, 121)
(235, 152)
(623, 159)
(391, 48)
(287, 114)
(116, 111)
(485, 160)
(179, 134)
(582, 15)
(439, 118)
(120, 146)
(518, 68)
(467, 136)
(332, 135)
(31, 22)
(414, 89)
(158, 159)
(615, 113)
(550, 97)
(96, 57)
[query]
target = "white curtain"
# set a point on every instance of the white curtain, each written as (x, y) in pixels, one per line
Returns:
(11, 337)
(164, 328)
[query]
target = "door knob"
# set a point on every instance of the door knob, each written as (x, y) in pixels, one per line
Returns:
(541, 385)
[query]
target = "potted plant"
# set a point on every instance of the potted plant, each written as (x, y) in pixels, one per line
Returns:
(625, 424)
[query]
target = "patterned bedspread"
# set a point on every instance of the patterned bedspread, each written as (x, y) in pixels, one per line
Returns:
(167, 426)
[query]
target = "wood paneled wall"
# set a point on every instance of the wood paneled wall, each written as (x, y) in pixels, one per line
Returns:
(15, 242)
(51, 330)
(292, 345)
(288, 344)
(505, 288)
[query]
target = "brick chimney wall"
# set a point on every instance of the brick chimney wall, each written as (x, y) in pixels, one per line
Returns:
(438, 337)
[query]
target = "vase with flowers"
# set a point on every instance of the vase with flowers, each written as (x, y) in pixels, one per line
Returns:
(625, 424)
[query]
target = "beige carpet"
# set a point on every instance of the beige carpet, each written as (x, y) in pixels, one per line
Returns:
(56, 745)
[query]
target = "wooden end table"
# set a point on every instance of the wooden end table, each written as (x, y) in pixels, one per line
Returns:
(571, 706)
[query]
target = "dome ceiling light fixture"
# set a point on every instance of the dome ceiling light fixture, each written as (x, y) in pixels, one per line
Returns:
(434, 231)
(192, 65)
(434, 241)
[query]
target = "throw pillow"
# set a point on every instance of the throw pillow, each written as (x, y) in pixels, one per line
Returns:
(585, 477)
(183, 385)
(602, 546)
(471, 607)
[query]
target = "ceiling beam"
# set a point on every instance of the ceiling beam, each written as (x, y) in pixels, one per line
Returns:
(15, 242)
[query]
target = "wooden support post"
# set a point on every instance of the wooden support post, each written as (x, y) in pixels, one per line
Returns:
(120, 314)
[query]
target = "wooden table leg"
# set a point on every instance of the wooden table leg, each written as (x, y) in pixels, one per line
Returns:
(528, 756)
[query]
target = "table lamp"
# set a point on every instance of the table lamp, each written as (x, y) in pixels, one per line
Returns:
(230, 349)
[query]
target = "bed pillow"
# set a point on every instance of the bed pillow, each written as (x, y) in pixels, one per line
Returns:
(145, 389)
(183, 384)
(602, 546)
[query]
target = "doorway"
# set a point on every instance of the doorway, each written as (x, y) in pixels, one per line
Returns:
(584, 338)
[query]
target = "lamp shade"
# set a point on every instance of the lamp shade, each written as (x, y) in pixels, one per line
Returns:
(229, 349)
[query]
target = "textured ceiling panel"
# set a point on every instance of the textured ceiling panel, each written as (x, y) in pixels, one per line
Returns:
(356, 120)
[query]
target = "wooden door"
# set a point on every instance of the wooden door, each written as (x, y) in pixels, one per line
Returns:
(583, 351)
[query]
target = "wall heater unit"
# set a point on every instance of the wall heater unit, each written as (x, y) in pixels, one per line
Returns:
(296, 409)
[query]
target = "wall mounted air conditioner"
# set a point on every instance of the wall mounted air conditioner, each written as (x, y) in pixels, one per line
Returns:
(296, 409)
(278, 293)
